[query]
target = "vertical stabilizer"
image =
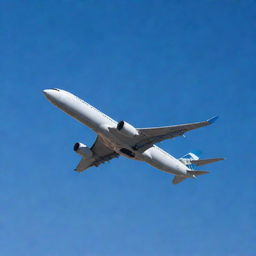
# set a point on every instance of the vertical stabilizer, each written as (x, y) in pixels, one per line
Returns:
(188, 158)
(191, 155)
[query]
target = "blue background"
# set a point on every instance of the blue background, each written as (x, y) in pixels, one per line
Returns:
(150, 63)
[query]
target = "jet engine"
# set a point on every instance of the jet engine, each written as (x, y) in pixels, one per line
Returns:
(83, 150)
(127, 129)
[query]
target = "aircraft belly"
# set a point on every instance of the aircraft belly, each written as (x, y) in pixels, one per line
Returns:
(153, 156)
(119, 146)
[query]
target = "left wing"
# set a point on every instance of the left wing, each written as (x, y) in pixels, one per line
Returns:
(149, 136)
(101, 154)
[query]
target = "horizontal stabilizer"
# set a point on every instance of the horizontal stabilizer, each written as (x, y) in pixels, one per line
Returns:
(178, 179)
(205, 161)
(191, 174)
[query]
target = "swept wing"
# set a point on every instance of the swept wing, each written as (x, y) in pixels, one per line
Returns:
(149, 136)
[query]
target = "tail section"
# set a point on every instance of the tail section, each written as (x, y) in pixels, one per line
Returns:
(191, 160)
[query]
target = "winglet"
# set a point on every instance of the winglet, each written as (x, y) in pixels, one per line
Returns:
(212, 120)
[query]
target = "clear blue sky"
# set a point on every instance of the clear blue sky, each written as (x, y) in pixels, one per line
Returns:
(150, 63)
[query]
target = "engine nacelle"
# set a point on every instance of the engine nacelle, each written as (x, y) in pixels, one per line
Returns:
(127, 129)
(83, 150)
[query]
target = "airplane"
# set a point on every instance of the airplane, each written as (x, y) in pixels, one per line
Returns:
(121, 138)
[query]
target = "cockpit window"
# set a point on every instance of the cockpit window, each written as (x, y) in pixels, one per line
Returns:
(56, 89)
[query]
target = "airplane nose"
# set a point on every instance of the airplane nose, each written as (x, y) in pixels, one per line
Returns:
(46, 92)
(50, 94)
(53, 95)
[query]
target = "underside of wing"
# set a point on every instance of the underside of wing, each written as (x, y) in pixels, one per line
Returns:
(101, 154)
(149, 136)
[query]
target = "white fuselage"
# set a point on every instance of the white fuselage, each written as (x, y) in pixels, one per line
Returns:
(102, 124)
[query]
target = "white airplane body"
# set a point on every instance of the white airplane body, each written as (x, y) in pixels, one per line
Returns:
(120, 138)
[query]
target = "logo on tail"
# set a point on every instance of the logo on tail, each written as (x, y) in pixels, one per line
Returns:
(188, 158)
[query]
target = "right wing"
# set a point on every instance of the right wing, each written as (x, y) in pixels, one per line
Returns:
(150, 136)
(101, 154)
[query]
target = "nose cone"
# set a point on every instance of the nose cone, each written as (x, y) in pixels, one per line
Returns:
(52, 94)
(47, 92)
